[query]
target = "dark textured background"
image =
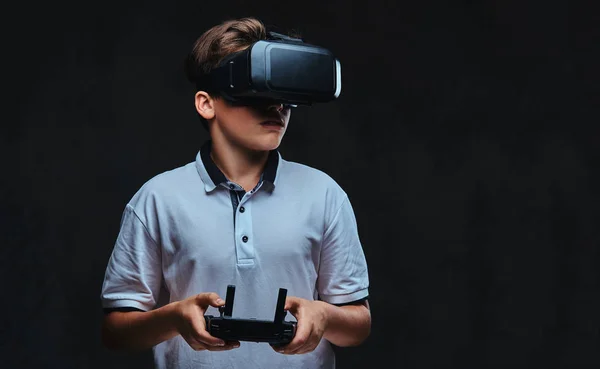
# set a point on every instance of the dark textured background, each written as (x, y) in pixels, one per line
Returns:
(466, 136)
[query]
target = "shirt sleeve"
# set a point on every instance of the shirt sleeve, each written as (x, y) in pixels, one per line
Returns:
(343, 274)
(134, 273)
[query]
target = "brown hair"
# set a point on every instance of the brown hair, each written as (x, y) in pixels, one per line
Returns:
(221, 40)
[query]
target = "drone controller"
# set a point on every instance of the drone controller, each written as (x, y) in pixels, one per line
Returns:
(276, 332)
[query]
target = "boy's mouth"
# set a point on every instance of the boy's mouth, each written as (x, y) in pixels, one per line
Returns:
(272, 123)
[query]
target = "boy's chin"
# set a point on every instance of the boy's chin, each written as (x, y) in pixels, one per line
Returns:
(266, 145)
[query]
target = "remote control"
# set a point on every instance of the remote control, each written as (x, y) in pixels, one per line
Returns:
(276, 332)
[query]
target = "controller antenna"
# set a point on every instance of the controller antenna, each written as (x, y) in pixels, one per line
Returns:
(227, 310)
(279, 310)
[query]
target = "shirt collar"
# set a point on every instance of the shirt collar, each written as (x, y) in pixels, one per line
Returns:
(212, 176)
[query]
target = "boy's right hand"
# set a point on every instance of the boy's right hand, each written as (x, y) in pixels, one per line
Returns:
(191, 325)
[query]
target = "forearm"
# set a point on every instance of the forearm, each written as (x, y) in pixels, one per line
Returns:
(138, 330)
(347, 325)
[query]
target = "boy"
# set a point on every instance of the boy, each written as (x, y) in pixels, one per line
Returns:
(242, 215)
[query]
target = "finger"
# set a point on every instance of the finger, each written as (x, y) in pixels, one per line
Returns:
(310, 345)
(199, 346)
(200, 334)
(299, 340)
(208, 339)
(209, 298)
(291, 303)
(228, 346)
(280, 347)
(303, 347)
(198, 341)
(195, 345)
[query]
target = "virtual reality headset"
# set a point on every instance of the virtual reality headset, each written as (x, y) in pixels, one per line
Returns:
(280, 69)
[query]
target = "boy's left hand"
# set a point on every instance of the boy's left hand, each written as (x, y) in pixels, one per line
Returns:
(312, 322)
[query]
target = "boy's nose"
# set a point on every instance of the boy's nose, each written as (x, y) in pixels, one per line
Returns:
(277, 106)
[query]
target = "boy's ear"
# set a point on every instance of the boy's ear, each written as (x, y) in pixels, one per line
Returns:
(204, 105)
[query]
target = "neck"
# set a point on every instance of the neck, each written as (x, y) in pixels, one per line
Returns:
(239, 164)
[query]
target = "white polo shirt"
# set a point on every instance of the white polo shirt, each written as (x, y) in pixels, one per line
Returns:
(190, 230)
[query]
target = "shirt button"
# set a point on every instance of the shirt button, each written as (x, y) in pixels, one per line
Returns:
(242, 209)
(245, 239)
(232, 186)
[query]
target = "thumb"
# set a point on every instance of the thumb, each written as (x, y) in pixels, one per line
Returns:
(291, 303)
(209, 298)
